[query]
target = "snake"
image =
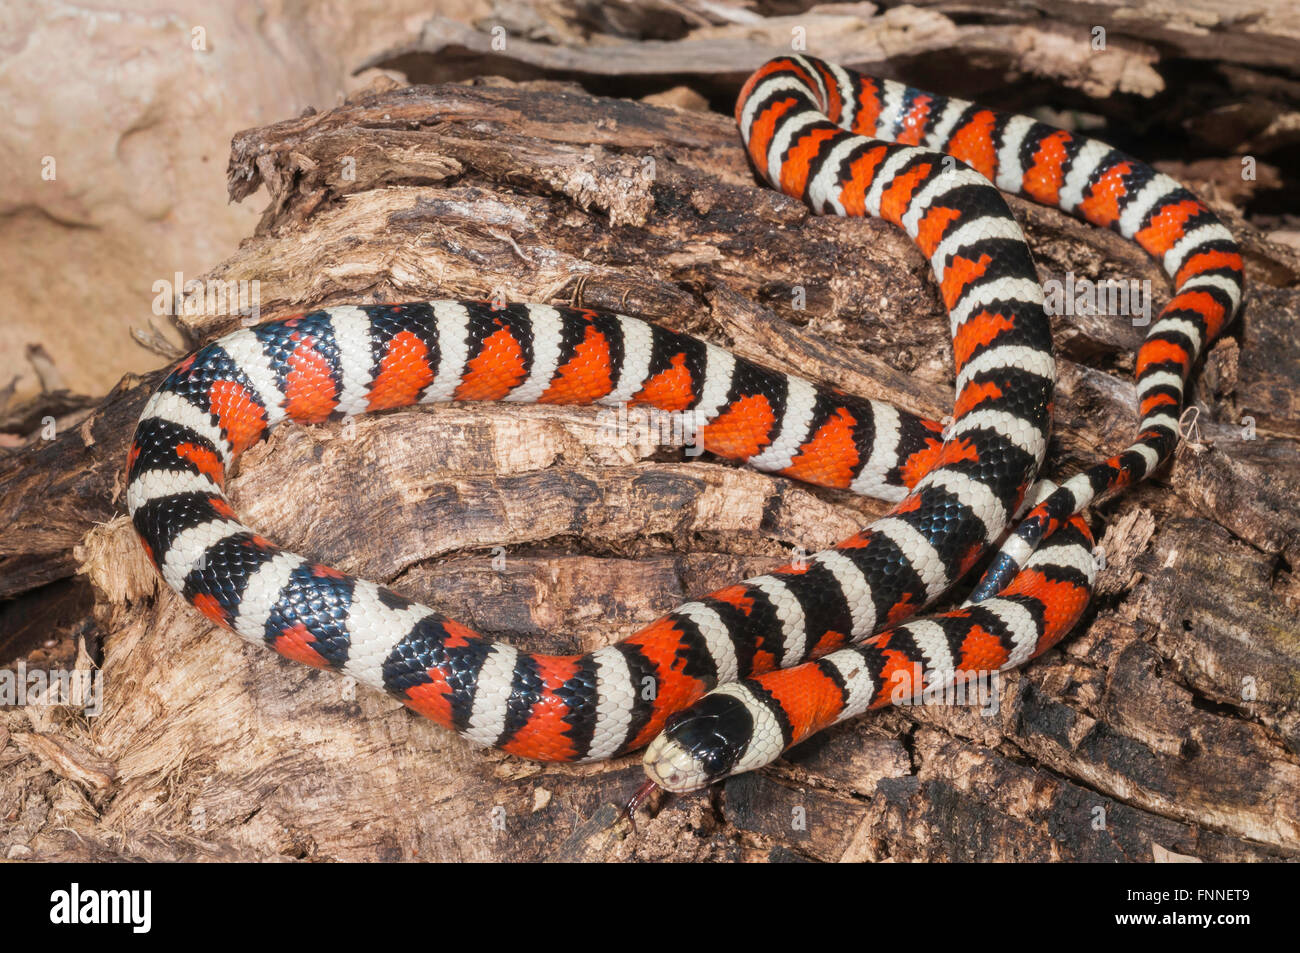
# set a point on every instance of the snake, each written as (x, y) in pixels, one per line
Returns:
(730, 680)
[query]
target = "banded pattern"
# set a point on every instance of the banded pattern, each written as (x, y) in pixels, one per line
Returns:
(793, 113)
(843, 144)
(749, 723)
(307, 368)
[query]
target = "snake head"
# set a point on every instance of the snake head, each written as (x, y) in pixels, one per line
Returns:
(700, 744)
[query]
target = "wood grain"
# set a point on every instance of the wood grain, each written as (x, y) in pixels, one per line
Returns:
(1167, 722)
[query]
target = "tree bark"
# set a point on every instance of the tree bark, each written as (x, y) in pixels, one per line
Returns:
(1165, 726)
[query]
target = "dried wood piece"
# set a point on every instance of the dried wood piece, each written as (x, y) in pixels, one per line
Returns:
(217, 749)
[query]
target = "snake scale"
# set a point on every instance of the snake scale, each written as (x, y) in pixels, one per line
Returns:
(736, 676)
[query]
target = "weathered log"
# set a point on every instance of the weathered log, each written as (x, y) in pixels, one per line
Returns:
(1167, 724)
(1120, 57)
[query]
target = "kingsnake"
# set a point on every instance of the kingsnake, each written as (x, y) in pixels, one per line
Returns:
(753, 668)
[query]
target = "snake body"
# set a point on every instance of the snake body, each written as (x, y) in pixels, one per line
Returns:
(726, 682)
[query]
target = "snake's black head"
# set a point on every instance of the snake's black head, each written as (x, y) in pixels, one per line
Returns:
(700, 744)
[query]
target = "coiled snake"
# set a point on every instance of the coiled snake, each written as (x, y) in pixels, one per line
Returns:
(740, 674)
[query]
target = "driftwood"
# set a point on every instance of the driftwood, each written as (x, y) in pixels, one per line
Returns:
(1166, 726)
